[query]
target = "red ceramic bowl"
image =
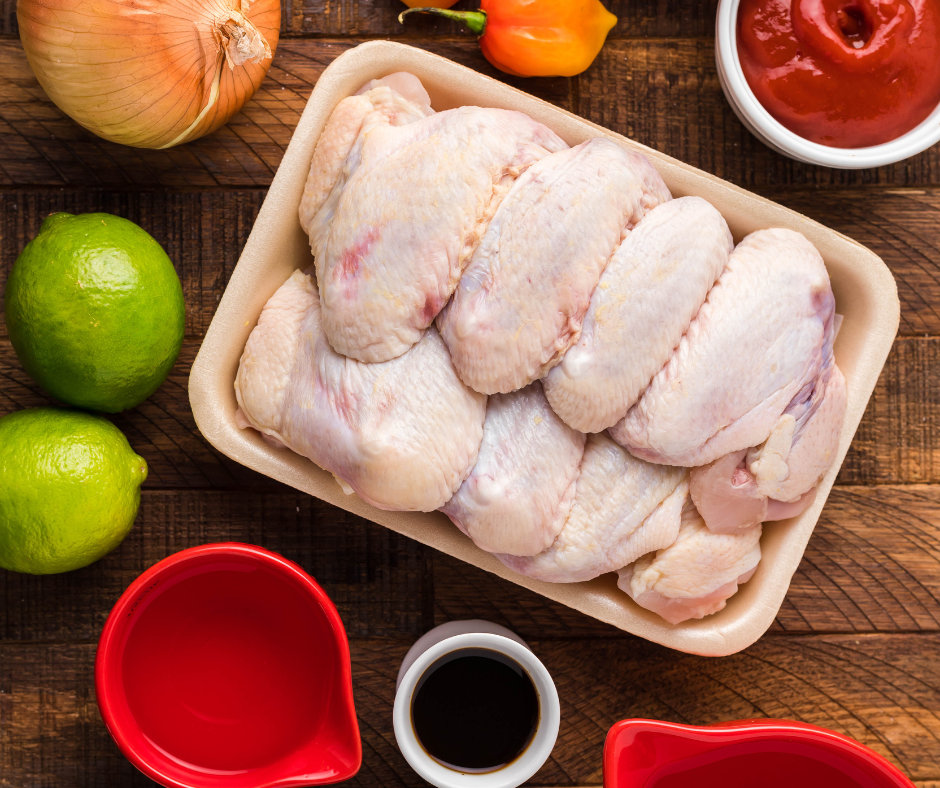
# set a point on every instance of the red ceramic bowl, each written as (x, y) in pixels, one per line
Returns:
(227, 665)
(765, 753)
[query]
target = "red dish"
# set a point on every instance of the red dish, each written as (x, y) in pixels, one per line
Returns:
(768, 753)
(843, 73)
(227, 665)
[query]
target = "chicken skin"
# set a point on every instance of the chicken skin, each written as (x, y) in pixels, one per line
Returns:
(518, 495)
(729, 500)
(585, 375)
(521, 300)
(697, 574)
(623, 508)
(403, 434)
(392, 240)
(757, 342)
(396, 100)
(648, 295)
(777, 480)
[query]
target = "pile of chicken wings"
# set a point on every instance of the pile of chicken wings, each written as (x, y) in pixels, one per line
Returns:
(584, 373)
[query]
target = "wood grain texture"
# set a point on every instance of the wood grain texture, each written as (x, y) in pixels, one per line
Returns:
(897, 441)
(161, 429)
(203, 232)
(39, 145)
(902, 226)
(381, 582)
(882, 691)
(635, 19)
(854, 646)
(663, 93)
(666, 94)
(365, 18)
(872, 565)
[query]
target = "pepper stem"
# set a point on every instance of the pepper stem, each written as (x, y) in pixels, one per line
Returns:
(475, 21)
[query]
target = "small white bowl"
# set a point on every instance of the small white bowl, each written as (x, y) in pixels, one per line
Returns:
(474, 634)
(773, 134)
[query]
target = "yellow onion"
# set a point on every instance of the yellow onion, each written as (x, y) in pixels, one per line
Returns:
(149, 73)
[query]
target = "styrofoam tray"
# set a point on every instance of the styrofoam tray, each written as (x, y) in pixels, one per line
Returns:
(865, 293)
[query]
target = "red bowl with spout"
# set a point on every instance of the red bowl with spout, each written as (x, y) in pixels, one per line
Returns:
(743, 754)
(227, 665)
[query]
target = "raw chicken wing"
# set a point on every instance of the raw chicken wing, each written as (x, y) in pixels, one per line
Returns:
(518, 495)
(403, 434)
(623, 508)
(396, 100)
(757, 342)
(726, 495)
(777, 479)
(695, 576)
(521, 300)
(646, 298)
(393, 243)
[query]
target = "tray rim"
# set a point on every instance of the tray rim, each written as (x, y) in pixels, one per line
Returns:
(729, 631)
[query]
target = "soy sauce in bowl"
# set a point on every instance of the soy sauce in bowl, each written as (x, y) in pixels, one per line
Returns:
(475, 710)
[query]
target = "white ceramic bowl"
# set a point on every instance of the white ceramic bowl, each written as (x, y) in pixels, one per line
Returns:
(773, 134)
(474, 634)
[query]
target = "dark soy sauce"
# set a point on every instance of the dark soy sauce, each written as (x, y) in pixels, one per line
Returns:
(475, 709)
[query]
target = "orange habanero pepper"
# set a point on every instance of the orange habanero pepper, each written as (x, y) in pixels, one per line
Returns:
(535, 38)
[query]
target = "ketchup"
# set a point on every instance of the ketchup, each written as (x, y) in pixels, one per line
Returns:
(843, 73)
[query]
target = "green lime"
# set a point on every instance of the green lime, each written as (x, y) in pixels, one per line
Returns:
(95, 311)
(69, 489)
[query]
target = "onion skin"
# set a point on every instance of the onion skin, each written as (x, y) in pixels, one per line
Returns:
(142, 72)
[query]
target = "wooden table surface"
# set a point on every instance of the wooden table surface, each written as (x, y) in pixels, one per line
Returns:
(856, 645)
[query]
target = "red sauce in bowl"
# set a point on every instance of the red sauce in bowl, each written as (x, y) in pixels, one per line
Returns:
(743, 754)
(772, 764)
(843, 73)
(226, 664)
(225, 670)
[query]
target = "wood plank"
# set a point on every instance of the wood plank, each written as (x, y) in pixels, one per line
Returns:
(666, 94)
(162, 429)
(873, 565)
(902, 226)
(636, 18)
(663, 93)
(204, 232)
(365, 18)
(39, 145)
(882, 690)
(896, 442)
(381, 582)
